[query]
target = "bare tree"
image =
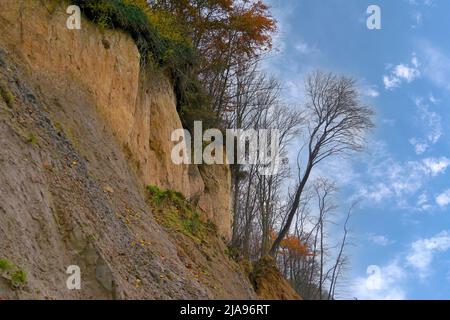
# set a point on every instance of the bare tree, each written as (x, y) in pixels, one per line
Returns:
(325, 191)
(340, 259)
(256, 197)
(316, 274)
(338, 122)
(253, 95)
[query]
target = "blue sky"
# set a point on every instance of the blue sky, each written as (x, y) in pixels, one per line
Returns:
(402, 227)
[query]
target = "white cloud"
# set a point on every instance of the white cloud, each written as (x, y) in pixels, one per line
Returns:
(306, 49)
(388, 282)
(391, 82)
(419, 146)
(376, 193)
(437, 165)
(427, 3)
(432, 123)
(415, 61)
(382, 283)
(402, 73)
(401, 182)
(380, 240)
(422, 202)
(370, 91)
(432, 120)
(422, 252)
(337, 169)
(443, 200)
(437, 66)
(433, 99)
(406, 178)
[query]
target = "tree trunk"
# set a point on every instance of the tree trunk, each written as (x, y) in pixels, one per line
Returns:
(284, 231)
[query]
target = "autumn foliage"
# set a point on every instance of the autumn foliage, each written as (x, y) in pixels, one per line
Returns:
(214, 24)
(226, 35)
(292, 245)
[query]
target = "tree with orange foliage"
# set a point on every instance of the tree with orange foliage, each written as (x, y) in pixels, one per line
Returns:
(227, 34)
(292, 245)
(211, 24)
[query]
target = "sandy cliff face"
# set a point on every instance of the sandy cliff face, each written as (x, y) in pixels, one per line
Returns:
(83, 129)
(138, 106)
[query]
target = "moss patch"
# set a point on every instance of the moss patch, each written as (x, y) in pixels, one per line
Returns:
(16, 276)
(32, 139)
(174, 212)
(19, 277)
(5, 265)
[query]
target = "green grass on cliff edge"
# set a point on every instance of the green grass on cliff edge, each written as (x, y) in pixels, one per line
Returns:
(129, 16)
(175, 212)
(13, 273)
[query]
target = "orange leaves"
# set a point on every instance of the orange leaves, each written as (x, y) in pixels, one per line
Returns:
(293, 245)
(215, 25)
(255, 26)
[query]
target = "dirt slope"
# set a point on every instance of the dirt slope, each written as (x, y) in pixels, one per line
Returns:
(269, 283)
(69, 197)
